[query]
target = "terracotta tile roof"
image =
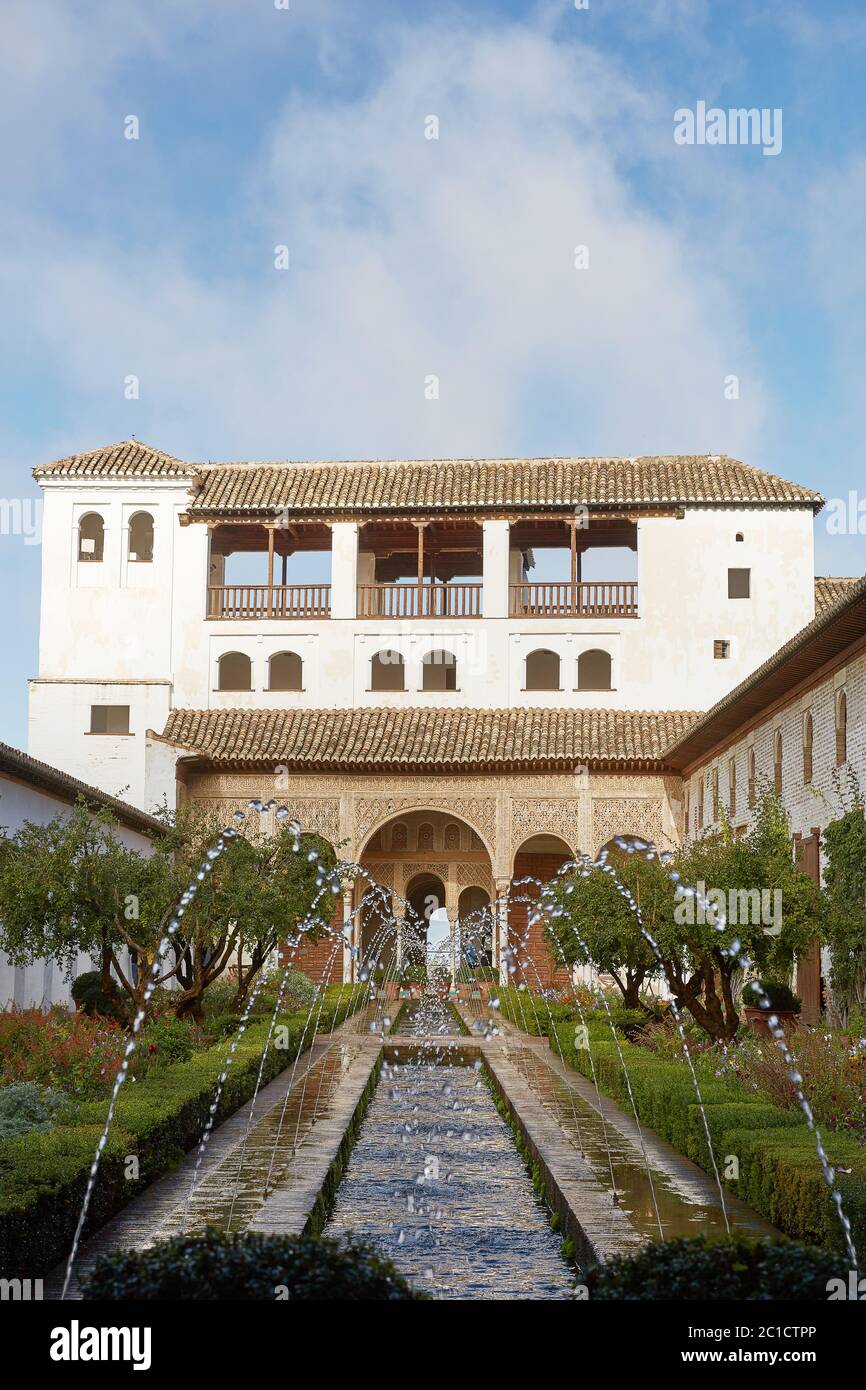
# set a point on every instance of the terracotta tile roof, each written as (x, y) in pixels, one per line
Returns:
(829, 590)
(475, 484)
(829, 636)
(23, 768)
(131, 458)
(426, 738)
(444, 484)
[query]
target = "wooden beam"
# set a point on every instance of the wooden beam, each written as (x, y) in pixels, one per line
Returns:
(270, 571)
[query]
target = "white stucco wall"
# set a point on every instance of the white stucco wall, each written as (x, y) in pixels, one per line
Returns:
(811, 805)
(117, 633)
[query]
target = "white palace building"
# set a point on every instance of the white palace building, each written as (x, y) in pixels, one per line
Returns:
(459, 671)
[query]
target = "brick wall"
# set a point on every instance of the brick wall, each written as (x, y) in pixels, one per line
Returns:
(547, 972)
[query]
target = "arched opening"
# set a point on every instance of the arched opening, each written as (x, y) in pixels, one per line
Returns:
(537, 861)
(542, 670)
(141, 539)
(439, 671)
(387, 671)
(841, 728)
(285, 671)
(425, 849)
(476, 927)
(594, 670)
(808, 736)
(235, 672)
(91, 539)
(427, 931)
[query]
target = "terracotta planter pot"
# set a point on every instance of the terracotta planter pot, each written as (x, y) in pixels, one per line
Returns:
(757, 1019)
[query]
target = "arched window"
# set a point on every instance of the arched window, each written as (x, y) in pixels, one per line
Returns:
(715, 786)
(687, 808)
(594, 670)
(732, 787)
(285, 671)
(701, 802)
(141, 538)
(841, 728)
(777, 761)
(542, 670)
(91, 539)
(753, 777)
(439, 671)
(387, 671)
(451, 839)
(425, 836)
(235, 672)
(808, 738)
(399, 836)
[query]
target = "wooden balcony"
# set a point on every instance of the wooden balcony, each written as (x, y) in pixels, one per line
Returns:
(419, 600)
(564, 599)
(269, 601)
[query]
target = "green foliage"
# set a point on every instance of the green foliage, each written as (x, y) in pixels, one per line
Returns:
(701, 1267)
(95, 997)
(779, 1172)
(43, 1176)
(780, 995)
(25, 1109)
(72, 886)
(591, 922)
(252, 1266)
(167, 1040)
(844, 842)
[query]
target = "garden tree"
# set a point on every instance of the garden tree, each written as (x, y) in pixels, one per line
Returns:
(71, 887)
(611, 939)
(770, 907)
(259, 891)
(844, 843)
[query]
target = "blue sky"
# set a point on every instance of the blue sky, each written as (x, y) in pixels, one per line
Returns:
(409, 257)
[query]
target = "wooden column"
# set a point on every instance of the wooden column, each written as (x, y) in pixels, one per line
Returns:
(420, 525)
(270, 571)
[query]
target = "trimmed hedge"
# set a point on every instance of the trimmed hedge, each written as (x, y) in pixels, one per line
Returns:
(213, 1266)
(43, 1177)
(779, 1172)
(701, 1267)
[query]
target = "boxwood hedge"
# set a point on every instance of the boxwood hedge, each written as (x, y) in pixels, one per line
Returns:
(779, 1172)
(43, 1177)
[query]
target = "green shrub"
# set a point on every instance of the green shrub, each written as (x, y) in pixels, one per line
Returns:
(159, 1118)
(93, 999)
(702, 1267)
(779, 1172)
(24, 1109)
(252, 1266)
(780, 995)
(167, 1039)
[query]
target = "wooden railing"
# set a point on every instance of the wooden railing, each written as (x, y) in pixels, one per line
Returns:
(264, 601)
(419, 600)
(561, 599)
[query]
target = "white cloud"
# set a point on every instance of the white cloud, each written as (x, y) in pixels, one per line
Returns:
(413, 257)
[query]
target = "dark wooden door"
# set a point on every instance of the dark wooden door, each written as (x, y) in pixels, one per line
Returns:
(809, 983)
